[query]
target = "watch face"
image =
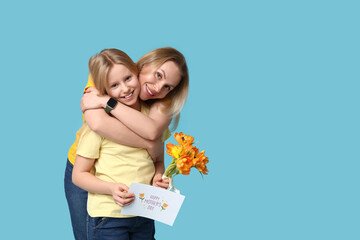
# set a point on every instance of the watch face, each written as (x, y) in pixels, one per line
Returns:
(112, 102)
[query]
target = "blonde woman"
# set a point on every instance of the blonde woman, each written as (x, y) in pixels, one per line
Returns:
(164, 85)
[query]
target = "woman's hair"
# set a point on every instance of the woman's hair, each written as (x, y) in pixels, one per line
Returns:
(179, 94)
(101, 63)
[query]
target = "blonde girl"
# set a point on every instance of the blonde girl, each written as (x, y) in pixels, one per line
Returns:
(115, 166)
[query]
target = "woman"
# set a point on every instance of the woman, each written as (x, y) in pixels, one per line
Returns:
(164, 84)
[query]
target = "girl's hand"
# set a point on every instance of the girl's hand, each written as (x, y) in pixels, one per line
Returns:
(121, 195)
(159, 182)
(92, 100)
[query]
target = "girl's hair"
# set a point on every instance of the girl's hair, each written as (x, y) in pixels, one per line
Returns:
(179, 94)
(101, 63)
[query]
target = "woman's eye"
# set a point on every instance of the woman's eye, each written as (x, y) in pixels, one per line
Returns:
(167, 87)
(158, 75)
(128, 78)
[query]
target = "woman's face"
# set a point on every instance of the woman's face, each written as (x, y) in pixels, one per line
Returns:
(156, 85)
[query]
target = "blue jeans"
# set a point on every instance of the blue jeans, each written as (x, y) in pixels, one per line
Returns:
(77, 201)
(135, 228)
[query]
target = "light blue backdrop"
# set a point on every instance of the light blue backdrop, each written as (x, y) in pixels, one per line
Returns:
(274, 101)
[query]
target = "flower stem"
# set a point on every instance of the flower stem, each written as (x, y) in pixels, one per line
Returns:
(170, 170)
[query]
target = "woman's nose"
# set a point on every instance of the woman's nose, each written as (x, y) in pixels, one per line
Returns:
(157, 87)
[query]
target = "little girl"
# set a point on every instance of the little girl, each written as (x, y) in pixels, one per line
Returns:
(115, 166)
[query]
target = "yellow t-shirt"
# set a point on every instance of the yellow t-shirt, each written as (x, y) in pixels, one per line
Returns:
(73, 148)
(115, 163)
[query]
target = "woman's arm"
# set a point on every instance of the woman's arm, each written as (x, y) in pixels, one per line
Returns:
(149, 127)
(87, 181)
(159, 171)
(111, 128)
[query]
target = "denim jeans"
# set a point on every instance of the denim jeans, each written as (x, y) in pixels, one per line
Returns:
(134, 228)
(77, 201)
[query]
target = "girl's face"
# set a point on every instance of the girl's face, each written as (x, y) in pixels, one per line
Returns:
(123, 85)
(156, 85)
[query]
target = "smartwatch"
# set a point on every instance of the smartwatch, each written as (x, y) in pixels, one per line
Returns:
(110, 105)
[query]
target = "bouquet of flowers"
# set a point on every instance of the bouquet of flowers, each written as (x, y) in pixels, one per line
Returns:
(185, 156)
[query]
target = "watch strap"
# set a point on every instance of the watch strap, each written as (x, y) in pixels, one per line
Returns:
(111, 103)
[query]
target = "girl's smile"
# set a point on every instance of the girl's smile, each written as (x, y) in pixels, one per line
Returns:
(127, 98)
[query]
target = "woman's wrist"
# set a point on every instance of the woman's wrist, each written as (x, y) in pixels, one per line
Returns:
(104, 101)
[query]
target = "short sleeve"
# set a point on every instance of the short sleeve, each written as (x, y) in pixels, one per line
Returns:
(89, 143)
(166, 134)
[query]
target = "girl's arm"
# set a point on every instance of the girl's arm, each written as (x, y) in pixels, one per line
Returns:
(149, 127)
(84, 179)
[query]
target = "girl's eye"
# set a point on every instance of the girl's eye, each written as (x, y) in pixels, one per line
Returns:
(127, 78)
(167, 87)
(114, 85)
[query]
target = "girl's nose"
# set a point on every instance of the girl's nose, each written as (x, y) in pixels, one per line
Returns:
(125, 88)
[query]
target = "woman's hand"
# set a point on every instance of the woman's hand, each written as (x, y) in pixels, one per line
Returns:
(121, 195)
(159, 182)
(92, 100)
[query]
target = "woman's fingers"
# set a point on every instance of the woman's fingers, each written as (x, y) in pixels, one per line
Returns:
(162, 184)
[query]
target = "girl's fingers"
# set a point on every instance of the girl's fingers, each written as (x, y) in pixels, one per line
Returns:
(119, 203)
(124, 202)
(123, 188)
(124, 198)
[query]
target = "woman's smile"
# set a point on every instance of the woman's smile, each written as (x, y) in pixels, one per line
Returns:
(149, 91)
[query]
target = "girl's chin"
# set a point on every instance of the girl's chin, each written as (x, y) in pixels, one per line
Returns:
(130, 104)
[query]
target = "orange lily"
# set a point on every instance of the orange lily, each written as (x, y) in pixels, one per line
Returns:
(174, 150)
(183, 139)
(185, 156)
(184, 165)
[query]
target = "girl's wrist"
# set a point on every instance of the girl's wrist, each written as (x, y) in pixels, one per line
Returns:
(111, 188)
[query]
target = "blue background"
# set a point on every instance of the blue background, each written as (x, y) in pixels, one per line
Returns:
(274, 98)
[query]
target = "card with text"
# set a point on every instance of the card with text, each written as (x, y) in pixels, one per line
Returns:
(154, 203)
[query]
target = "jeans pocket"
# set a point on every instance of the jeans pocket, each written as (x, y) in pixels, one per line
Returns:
(100, 221)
